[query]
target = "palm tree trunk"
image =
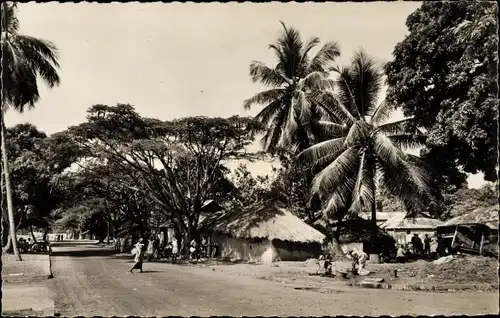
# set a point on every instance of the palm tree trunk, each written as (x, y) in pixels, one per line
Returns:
(8, 188)
(32, 234)
(374, 257)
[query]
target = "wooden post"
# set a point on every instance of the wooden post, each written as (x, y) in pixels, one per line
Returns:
(482, 244)
(454, 237)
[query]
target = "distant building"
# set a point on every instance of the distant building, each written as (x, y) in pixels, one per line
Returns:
(473, 232)
(263, 233)
(382, 217)
(402, 229)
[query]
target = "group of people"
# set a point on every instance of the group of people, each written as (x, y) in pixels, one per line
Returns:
(153, 249)
(429, 248)
(28, 246)
(357, 257)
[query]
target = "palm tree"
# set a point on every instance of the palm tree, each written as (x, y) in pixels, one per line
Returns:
(287, 111)
(361, 149)
(24, 59)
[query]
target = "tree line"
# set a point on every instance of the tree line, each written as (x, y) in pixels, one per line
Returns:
(339, 152)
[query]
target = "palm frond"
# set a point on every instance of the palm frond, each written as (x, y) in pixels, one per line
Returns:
(41, 65)
(44, 48)
(332, 147)
(367, 80)
(335, 173)
(403, 126)
(290, 127)
(317, 81)
(10, 23)
(341, 197)
(365, 186)
(406, 182)
(357, 134)
(329, 103)
(346, 91)
(326, 55)
(387, 152)
(291, 46)
(310, 44)
(265, 97)
(266, 75)
(381, 113)
(327, 129)
(407, 141)
(266, 115)
(270, 141)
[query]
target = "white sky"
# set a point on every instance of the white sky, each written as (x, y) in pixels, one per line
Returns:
(176, 60)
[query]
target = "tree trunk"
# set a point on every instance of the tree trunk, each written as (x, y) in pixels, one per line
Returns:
(8, 187)
(45, 232)
(32, 234)
(8, 246)
(374, 254)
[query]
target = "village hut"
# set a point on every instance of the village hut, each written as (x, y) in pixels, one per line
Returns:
(402, 228)
(263, 233)
(473, 232)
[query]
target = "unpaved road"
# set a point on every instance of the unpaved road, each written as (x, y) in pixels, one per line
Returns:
(88, 281)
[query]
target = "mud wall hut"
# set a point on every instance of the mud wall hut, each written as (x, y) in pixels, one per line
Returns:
(263, 233)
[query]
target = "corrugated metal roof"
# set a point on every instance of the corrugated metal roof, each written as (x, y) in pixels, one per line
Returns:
(399, 222)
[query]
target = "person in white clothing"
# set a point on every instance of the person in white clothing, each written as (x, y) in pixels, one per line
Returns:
(359, 260)
(175, 250)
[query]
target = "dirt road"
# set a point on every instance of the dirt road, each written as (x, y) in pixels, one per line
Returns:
(89, 281)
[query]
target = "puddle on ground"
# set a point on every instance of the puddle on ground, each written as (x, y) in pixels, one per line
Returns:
(320, 290)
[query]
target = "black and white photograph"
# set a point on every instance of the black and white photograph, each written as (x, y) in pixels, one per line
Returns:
(249, 159)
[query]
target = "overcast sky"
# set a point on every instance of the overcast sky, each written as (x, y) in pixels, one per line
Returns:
(176, 60)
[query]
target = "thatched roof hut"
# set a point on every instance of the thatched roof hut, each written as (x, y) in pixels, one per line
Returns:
(270, 221)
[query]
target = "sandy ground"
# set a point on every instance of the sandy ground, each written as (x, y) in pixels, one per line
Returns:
(470, 270)
(26, 289)
(31, 265)
(88, 281)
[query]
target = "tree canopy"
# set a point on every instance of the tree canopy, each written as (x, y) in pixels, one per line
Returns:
(180, 164)
(296, 77)
(444, 73)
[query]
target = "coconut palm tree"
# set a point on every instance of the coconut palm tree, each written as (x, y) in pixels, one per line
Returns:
(287, 111)
(24, 59)
(361, 149)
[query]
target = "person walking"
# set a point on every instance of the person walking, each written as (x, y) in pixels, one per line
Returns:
(138, 255)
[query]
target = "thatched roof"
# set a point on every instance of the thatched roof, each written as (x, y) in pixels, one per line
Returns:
(487, 216)
(270, 220)
(399, 222)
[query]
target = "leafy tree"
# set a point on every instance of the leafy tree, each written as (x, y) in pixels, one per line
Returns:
(37, 161)
(362, 150)
(104, 196)
(287, 111)
(24, 59)
(249, 189)
(180, 162)
(466, 200)
(444, 73)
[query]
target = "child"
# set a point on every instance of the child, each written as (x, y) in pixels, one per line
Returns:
(175, 250)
